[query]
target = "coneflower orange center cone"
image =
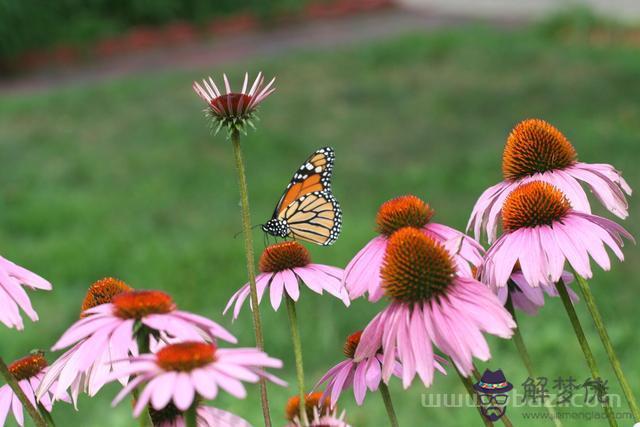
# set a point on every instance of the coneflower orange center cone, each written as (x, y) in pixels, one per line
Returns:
(403, 211)
(415, 267)
(283, 256)
(535, 146)
(533, 204)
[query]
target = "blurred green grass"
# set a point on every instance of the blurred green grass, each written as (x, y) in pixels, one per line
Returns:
(124, 179)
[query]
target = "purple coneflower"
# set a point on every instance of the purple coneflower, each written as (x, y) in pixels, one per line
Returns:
(318, 411)
(233, 110)
(362, 375)
(362, 275)
(283, 267)
(63, 375)
(206, 416)
(180, 373)
(542, 232)
(430, 303)
(29, 372)
(107, 333)
(324, 419)
(12, 295)
(537, 151)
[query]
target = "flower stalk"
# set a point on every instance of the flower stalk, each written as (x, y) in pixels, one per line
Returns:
(297, 351)
(35, 415)
(191, 415)
(584, 345)
(608, 346)
(526, 359)
(468, 385)
(47, 416)
(248, 244)
(388, 404)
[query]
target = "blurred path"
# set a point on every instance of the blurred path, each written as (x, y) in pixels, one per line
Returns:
(626, 10)
(411, 15)
(214, 52)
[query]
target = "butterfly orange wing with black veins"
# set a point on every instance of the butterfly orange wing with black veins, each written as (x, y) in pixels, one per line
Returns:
(307, 210)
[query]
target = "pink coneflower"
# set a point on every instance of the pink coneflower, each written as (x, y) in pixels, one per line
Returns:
(328, 419)
(12, 295)
(314, 403)
(66, 375)
(530, 298)
(180, 373)
(283, 266)
(206, 416)
(542, 231)
(233, 109)
(29, 372)
(537, 151)
(318, 411)
(430, 303)
(362, 275)
(362, 375)
(323, 419)
(107, 333)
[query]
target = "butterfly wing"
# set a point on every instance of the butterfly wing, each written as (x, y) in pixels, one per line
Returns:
(314, 217)
(313, 176)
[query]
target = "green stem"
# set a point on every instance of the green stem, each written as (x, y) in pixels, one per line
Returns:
(248, 246)
(297, 351)
(506, 421)
(584, 344)
(468, 385)
(608, 346)
(191, 415)
(46, 415)
(526, 359)
(388, 404)
(476, 374)
(11, 381)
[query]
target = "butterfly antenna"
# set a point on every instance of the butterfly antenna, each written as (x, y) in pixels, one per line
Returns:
(240, 232)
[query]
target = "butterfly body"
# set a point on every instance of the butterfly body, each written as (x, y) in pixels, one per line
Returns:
(307, 209)
(276, 227)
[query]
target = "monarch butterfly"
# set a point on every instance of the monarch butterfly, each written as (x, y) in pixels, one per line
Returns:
(307, 209)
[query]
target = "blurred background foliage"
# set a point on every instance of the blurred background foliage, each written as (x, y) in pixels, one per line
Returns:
(31, 24)
(123, 178)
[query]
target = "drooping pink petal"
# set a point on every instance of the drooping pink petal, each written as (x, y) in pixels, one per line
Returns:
(362, 274)
(422, 350)
(204, 387)
(340, 378)
(291, 284)
(163, 386)
(5, 402)
(184, 391)
(360, 383)
(16, 408)
(276, 290)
